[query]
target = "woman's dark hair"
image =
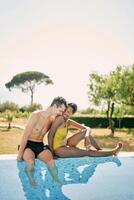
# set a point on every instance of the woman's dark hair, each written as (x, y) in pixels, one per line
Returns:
(73, 106)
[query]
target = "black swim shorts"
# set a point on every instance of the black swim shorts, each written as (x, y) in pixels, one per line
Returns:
(36, 147)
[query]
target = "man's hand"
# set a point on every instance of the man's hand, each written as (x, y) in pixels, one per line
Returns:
(19, 158)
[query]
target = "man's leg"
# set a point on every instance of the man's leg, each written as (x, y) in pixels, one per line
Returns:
(46, 156)
(76, 152)
(29, 158)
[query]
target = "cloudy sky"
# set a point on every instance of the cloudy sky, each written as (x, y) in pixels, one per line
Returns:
(66, 40)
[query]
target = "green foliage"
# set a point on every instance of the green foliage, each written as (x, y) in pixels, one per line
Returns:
(20, 114)
(118, 86)
(123, 110)
(102, 122)
(31, 108)
(90, 111)
(27, 81)
(102, 89)
(124, 78)
(115, 88)
(93, 122)
(9, 117)
(8, 106)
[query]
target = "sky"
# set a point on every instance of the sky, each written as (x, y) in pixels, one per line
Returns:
(66, 40)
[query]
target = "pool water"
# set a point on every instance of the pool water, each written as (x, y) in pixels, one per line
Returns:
(105, 178)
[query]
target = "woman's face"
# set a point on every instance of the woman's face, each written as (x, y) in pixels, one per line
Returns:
(68, 112)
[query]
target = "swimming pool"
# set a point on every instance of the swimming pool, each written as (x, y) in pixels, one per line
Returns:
(108, 178)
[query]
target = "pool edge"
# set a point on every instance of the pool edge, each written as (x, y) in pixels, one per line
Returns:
(14, 156)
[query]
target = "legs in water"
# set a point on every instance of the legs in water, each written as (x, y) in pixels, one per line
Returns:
(30, 173)
(29, 158)
(65, 151)
(54, 172)
(46, 156)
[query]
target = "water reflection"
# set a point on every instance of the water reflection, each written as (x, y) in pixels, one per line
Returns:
(71, 171)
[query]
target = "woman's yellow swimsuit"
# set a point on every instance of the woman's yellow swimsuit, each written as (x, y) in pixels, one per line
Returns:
(60, 135)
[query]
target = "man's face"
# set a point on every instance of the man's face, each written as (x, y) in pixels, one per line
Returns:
(60, 109)
(68, 112)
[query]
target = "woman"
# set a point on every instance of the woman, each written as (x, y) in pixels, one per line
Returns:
(62, 146)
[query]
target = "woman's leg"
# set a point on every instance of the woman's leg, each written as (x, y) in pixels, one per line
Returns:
(92, 142)
(75, 139)
(76, 152)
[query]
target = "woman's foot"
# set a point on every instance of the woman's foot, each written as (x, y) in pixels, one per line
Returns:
(117, 149)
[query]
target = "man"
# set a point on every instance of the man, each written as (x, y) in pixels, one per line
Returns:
(32, 146)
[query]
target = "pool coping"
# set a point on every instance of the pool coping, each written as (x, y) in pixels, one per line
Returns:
(14, 156)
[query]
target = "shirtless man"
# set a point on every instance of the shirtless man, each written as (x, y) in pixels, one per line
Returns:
(32, 145)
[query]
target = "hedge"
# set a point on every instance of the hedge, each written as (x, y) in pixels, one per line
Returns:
(102, 122)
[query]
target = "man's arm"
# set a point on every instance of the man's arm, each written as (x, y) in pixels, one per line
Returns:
(27, 131)
(56, 124)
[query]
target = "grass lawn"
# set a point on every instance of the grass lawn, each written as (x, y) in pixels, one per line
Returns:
(9, 139)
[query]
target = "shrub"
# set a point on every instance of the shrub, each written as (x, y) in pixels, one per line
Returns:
(9, 118)
(8, 106)
(31, 108)
(102, 122)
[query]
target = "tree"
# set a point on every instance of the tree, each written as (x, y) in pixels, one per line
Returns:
(124, 78)
(102, 89)
(27, 81)
(9, 118)
(116, 87)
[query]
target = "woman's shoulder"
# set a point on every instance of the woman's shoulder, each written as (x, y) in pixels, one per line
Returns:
(60, 118)
(56, 119)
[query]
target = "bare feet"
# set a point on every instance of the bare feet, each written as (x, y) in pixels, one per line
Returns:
(118, 149)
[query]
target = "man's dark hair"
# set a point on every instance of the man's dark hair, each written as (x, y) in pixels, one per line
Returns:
(73, 106)
(59, 101)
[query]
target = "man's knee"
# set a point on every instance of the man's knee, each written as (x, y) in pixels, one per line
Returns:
(30, 162)
(48, 157)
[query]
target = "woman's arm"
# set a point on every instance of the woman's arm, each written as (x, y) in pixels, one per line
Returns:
(55, 125)
(74, 124)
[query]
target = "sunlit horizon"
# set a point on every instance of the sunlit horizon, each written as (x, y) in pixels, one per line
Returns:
(65, 40)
